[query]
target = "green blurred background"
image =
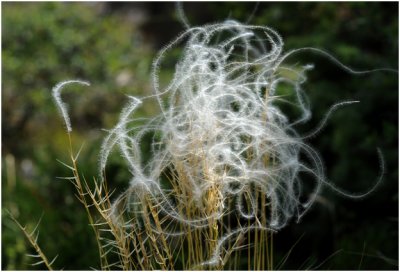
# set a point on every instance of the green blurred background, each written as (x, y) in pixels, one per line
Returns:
(112, 46)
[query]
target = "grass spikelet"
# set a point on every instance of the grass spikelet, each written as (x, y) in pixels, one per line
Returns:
(32, 237)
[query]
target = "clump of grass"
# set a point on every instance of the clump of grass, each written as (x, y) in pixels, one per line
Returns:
(224, 174)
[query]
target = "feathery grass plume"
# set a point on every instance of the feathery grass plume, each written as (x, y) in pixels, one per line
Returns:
(62, 107)
(224, 150)
(226, 165)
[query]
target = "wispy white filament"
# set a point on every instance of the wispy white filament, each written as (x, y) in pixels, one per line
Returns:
(62, 107)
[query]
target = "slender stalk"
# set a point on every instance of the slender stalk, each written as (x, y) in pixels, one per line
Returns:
(33, 241)
(82, 199)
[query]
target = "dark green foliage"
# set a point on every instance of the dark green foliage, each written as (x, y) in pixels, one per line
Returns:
(44, 43)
